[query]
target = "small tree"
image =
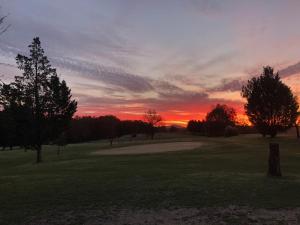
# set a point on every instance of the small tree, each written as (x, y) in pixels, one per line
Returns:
(42, 94)
(153, 119)
(271, 105)
(218, 119)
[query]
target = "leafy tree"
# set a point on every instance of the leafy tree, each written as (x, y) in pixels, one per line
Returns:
(39, 91)
(153, 119)
(271, 105)
(218, 119)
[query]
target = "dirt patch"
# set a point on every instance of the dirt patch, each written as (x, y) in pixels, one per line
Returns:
(150, 148)
(232, 215)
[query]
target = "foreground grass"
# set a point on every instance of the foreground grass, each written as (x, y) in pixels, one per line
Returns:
(225, 171)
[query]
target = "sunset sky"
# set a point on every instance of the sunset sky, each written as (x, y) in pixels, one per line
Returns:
(181, 58)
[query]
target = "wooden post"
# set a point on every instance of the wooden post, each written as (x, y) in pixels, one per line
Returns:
(274, 160)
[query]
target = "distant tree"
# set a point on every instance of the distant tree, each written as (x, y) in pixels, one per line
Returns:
(111, 126)
(42, 94)
(196, 126)
(8, 130)
(271, 105)
(297, 125)
(173, 129)
(132, 127)
(218, 119)
(153, 119)
(83, 129)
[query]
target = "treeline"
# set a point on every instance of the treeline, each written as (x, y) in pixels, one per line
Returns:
(84, 129)
(16, 130)
(200, 127)
(110, 127)
(220, 121)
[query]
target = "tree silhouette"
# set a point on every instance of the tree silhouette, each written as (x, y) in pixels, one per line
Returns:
(83, 129)
(153, 119)
(8, 130)
(297, 125)
(196, 126)
(218, 119)
(271, 105)
(111, 125)
(40, 92)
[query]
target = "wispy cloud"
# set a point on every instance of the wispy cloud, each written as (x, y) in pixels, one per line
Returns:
(290, 70)
(108, 75)
(236, 84)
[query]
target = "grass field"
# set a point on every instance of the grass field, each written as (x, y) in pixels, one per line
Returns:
(78, 184)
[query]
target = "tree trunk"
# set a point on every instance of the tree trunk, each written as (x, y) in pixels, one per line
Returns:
(297, 130)
(274, 160)
(39, 154)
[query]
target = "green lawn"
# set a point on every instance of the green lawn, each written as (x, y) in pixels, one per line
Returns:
(225, 171)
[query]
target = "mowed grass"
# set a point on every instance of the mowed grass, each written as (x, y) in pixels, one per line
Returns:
(224, 171)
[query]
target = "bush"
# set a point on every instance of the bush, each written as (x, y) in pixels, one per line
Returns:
(231, 131)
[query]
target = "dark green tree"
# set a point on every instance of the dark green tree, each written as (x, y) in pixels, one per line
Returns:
(271, 105)
(218, 119)
(40, 91)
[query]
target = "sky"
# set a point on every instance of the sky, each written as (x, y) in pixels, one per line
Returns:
(181, 58)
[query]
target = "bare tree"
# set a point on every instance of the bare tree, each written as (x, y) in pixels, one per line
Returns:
(153, 119)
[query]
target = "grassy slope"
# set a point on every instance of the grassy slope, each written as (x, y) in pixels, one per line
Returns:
(226, 171)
